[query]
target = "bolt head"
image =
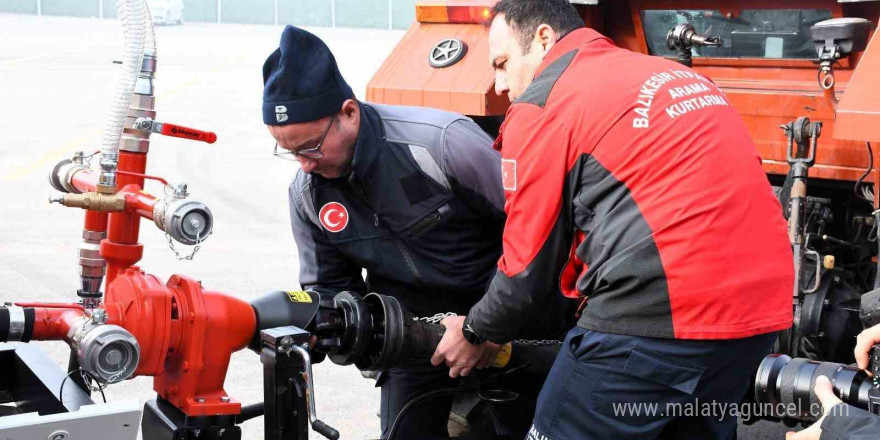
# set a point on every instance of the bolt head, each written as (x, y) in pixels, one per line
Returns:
(180, 191)
(59, 435)
(99, 316)
(224, 399)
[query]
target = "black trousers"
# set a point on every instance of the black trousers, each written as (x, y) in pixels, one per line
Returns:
(605, 386)
(429, 418)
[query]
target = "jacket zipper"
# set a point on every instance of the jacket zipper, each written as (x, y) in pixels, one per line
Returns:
(425, 223)
(400, 245)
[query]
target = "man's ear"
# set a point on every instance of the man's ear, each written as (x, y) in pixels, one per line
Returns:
(545, 37)
(349, 109)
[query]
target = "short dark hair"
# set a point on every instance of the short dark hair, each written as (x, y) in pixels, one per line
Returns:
(524, 17)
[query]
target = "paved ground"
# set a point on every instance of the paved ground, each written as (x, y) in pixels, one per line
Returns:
(56, 80)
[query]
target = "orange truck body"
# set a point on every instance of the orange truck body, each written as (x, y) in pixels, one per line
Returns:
(767, 92)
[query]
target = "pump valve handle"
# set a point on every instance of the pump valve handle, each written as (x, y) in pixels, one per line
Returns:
(174, 130)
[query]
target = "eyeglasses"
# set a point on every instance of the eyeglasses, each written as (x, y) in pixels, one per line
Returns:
(311, 153)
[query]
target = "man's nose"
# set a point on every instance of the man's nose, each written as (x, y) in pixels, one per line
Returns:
(501, 85)
(307, 165)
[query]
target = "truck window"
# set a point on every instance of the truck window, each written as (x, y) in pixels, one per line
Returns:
(755, 33)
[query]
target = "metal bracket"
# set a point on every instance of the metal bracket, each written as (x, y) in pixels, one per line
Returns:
(288, 389)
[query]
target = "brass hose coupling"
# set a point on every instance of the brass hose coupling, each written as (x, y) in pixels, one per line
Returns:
(92, 201)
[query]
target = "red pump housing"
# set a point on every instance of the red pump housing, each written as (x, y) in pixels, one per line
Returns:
(186, 335)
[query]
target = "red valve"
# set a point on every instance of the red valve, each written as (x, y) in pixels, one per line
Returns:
(185, 132)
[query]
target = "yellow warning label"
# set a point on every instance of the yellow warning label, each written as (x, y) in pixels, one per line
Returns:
(298, 296)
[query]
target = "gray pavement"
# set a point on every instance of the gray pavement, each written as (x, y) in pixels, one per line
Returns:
(56, 80)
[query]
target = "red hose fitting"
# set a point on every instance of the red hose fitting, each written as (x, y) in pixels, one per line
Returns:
(55, 323)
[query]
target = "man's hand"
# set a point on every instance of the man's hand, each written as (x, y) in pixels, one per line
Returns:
(459, 354)
(866, 339)
(826, 395)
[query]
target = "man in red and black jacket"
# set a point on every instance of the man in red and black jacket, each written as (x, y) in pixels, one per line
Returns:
(630, 183)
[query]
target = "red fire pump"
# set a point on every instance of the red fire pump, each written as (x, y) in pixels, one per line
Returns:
(177, 332)
(147, 328)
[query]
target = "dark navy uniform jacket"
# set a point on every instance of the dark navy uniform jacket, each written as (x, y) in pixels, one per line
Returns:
(421, 212)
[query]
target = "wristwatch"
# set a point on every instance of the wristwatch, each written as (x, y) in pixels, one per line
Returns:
(471, 336)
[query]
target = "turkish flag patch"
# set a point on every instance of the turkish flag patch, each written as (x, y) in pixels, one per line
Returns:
(508, 174)
(333, 216)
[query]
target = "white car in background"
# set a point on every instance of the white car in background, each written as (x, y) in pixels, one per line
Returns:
(166, 11)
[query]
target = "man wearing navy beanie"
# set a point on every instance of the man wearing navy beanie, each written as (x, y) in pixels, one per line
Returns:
(411, 195)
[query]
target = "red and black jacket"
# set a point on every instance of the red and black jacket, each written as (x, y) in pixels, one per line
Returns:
(631, 181)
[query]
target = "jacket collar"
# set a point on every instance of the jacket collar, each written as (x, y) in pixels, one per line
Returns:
(370, 143)
(573, 40)
(368, 146)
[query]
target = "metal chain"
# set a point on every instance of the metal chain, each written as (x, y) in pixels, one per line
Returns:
(178, 253)
(88, 379)
(170, 240)
(87, 160)
(534, 342)
(537, 342)
(436, 318)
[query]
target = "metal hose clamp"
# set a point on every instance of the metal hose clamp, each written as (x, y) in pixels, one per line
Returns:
(16, 323)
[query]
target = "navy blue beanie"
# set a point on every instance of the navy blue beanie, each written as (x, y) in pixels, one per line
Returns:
(301, 80)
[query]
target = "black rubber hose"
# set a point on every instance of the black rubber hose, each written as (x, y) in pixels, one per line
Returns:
(4, 324)
(415, 400)
(421, 340)
(29, 317)
(6, 319)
